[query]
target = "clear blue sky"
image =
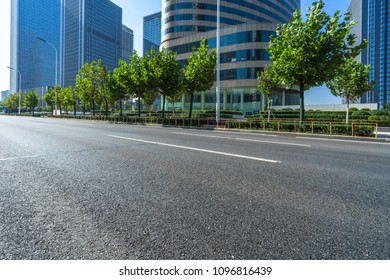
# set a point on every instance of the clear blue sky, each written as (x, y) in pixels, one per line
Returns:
(133, 13)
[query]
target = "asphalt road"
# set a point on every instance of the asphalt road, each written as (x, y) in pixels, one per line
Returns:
(90, 190)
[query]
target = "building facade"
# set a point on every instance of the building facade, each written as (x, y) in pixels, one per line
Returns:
(152, 32)
(4, 95)
(245, 30)
(373, 18)
(91, 30)
(34, 59)
(127, 43)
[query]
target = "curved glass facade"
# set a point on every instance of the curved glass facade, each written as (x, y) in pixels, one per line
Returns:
(246, 26)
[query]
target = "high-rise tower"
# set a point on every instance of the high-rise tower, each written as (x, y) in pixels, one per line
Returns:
(91, 30)
(152, 32)
(127, 43)
(245, 30)
(373, 17)
(32, 58)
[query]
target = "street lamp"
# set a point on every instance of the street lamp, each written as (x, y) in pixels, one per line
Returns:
(56, 77)
(20, 86)
(218, 85)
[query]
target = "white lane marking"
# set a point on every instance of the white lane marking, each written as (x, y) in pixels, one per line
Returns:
(195, 149)
(244, 139)
(14, 158)
(342, 140)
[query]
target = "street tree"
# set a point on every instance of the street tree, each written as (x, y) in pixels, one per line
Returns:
(67, 97)
(351, 82)
(49, 98)
(31, 100)
(105, 93)
(199, 73)
(309, 53)
(268, 85)
(117, 84)
(166, 75)
(11, 102)
(135, 77)
(91, 81)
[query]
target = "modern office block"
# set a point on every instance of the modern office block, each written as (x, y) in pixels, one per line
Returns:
(245, 30)
(373, 18)
(152, 32)
(91, 30)
(127, 43)
(4, 94)
(34, 61)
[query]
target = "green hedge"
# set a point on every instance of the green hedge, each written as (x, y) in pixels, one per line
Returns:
(308, 127)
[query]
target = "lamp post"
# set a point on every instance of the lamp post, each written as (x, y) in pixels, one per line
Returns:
(218, 85)
(56, 70)
(20, 86)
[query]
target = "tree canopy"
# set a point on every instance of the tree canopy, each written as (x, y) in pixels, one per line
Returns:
(309, 53)
(351, 82)
(91, 82)
(31, 100)
(268, 85)
(12, 101)
(199, 73)
(167, 75)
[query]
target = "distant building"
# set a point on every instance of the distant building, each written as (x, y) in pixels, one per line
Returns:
(127, 43)
(4, 95)
(152, 32)
(91, 30)
(33, 58)
(373, 18)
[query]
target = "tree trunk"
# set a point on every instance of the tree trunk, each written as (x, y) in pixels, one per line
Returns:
(191, 102)
(302, 104)
(163, 106)
(268, 108)
(105, 100)
(93, 108)
(84, 109)
(347, 113)
(74, 109)
(139, 106)
(120, 107)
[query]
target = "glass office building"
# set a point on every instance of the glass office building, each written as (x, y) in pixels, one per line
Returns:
(373, 18)
(127, 43)
(152, 32)
(91, 30)
(245, 30)
(34, 59)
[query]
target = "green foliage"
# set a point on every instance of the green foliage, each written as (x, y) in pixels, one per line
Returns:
(309, 53)
(12, 101)
(31, 100)
(351, 82)
(67, 97)
(268, 85)
(373, 118)
(91, 82)
(199, 74)
(167, 75)
(49, 98)
(135, 78)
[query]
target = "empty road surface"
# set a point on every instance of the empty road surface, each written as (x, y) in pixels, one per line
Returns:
(92, 190)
